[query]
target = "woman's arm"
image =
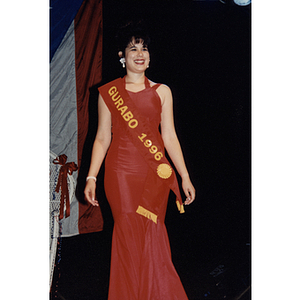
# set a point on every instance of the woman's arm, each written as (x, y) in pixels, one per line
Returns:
(100, 147)
(171, 142)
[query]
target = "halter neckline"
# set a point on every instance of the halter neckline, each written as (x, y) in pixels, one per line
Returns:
(146, 82)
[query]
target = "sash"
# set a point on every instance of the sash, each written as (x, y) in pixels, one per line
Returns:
(148, 143)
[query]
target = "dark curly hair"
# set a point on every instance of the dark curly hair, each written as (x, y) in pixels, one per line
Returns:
(132, 30)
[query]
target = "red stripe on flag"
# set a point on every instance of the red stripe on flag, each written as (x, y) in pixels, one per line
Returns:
(88, 62)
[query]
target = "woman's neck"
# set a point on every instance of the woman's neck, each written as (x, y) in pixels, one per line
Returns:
(135, 78)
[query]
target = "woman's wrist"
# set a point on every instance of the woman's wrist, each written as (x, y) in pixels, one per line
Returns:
(185, 175)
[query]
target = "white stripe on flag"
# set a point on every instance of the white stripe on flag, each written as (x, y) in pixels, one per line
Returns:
(63, 114)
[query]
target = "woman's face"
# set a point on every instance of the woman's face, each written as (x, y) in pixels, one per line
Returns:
(137, 57)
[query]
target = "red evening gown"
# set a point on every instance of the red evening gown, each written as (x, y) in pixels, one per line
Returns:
(141, 264)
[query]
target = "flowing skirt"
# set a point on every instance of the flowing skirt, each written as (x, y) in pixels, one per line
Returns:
(141, 264)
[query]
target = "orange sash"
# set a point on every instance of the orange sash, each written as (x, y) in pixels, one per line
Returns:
(147, 141)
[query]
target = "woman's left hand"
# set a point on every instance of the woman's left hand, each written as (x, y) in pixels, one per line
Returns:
(189, 190)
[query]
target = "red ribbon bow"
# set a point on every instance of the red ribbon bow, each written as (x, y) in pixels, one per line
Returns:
(62, 183)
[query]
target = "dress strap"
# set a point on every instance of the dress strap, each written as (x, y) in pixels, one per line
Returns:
(147, 83)
(156, 86)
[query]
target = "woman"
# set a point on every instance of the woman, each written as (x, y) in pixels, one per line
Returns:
(138, 177)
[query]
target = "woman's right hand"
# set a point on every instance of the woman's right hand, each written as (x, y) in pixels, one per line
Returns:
(90, 192)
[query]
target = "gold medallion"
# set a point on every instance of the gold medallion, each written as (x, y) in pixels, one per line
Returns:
(164, 171)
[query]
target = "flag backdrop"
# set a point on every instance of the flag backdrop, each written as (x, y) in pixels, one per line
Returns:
(76, 28)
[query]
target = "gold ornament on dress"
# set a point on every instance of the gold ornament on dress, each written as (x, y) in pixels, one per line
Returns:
(164, 171)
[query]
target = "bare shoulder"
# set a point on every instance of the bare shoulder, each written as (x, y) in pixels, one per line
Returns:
(164, 93)
(162, 87)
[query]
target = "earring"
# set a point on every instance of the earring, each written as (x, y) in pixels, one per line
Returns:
(122, 61)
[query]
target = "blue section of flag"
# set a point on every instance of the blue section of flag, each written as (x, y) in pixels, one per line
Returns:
(62, 13)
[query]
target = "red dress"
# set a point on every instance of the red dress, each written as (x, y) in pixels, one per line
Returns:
(141, 265)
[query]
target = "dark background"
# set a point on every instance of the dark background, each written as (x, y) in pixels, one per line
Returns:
(202, 51)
